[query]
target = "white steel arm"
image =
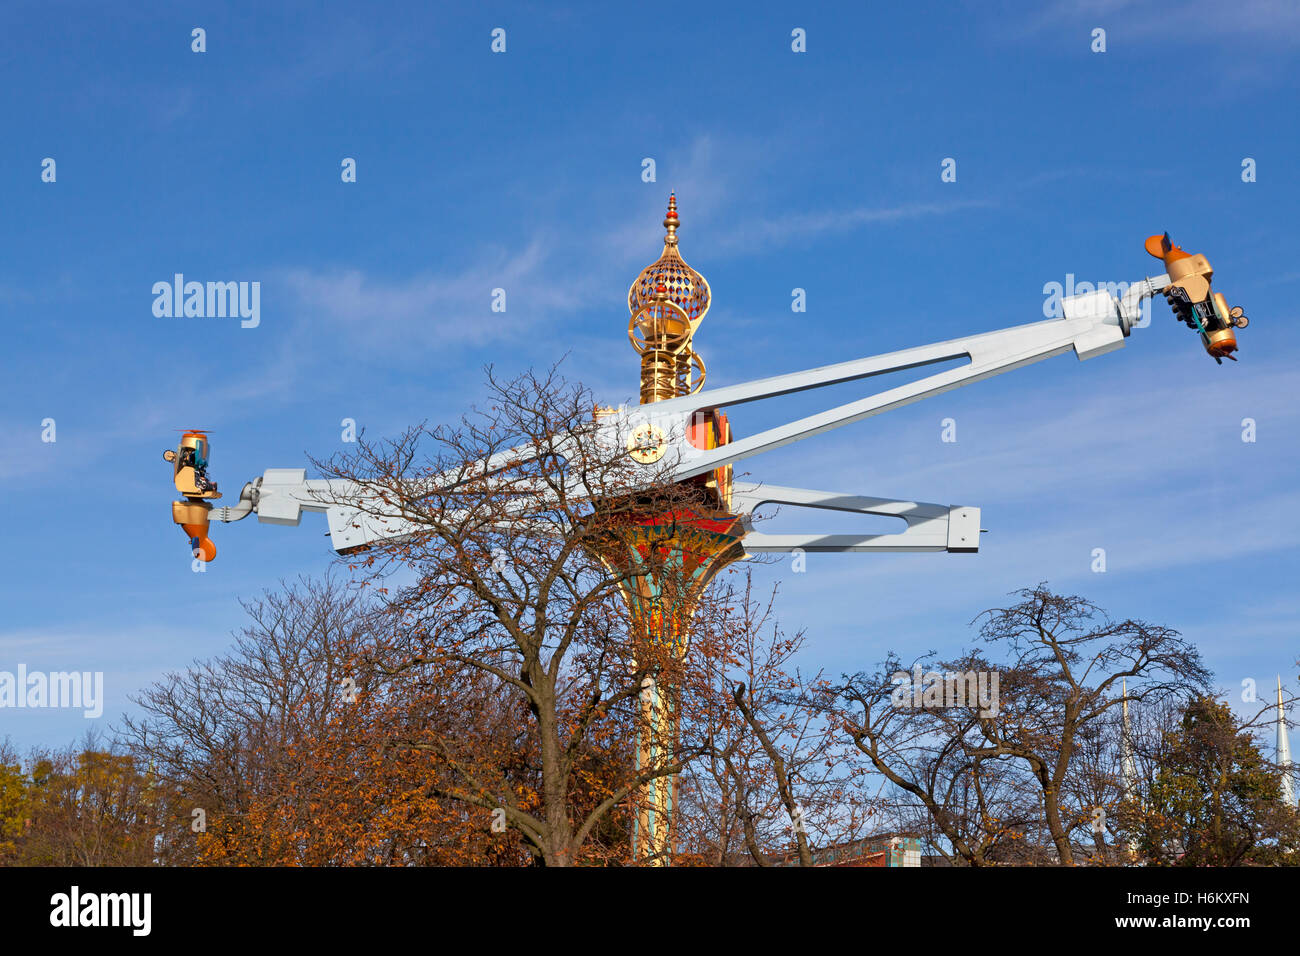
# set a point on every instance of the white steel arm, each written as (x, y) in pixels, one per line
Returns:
(281, 495)
(1092, 324)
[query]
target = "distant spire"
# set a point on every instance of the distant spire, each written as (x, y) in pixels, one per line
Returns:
(1128, 767)
(1283, 756)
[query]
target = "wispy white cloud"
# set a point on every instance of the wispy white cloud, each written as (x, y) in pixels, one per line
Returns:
(128, 657)
(1274, 21)
(430, 309)
(753, 234)
(546, 281)
(64, 644)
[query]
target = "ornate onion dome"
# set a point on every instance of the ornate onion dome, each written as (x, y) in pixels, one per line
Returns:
(686, 287)
(668, 301)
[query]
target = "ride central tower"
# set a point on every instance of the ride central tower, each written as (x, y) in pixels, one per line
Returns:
(669, 554)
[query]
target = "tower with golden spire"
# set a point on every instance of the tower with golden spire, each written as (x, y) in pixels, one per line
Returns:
(666, 554)
(667, 303)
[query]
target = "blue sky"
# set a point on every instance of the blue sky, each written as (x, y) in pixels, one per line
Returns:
(523, 170)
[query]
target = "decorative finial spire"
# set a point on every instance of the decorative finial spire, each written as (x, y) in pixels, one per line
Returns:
(686, 287)
(671, 222)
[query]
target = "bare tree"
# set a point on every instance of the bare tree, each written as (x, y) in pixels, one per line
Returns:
(517, 579)
(970, 805)
(775, 776)
(1068, 661)
(984, 775)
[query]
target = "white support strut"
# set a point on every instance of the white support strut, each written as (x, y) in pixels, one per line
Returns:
(929, 527)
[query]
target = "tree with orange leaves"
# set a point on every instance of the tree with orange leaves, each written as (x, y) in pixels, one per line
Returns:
(512, 591)
(278, 753)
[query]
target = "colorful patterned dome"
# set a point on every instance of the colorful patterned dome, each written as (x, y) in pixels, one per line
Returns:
(686, 287)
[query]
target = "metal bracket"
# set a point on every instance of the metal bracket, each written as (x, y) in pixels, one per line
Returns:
(930, 527)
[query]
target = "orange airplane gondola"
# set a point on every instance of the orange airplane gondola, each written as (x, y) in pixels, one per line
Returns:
(1189, 295)
(190, 473)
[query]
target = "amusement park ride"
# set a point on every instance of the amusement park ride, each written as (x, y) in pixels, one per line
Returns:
(682, 431)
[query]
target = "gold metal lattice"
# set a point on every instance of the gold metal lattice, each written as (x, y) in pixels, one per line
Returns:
(667, 301)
